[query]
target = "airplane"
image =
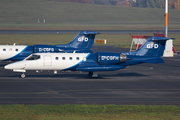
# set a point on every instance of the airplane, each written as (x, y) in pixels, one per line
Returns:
(150, 52)
(83, 42)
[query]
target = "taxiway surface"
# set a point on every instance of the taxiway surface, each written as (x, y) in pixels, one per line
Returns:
(149, 84)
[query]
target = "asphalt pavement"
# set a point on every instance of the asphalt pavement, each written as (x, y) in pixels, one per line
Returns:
(144, 84)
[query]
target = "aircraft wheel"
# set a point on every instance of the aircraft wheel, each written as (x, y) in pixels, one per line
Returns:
(93, 75)
(23, 75)
(90, 74)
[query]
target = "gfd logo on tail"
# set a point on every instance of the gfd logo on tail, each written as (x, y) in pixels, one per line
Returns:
(83, 38)
(152, 45)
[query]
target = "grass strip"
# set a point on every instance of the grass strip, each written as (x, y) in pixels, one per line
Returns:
(31, 14)
(98, 112)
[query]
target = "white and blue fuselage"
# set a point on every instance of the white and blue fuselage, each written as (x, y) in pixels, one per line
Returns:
(15, 52)
(150, 52)
(50, 61)
(82, 43)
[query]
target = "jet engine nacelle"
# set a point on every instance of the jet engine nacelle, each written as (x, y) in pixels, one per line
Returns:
(45, 49)
(111, 58)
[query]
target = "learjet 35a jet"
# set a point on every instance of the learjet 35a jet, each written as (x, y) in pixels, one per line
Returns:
(150, 52)
(82, 43)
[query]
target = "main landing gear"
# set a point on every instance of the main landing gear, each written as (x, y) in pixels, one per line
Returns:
(92, 74)
(23, 75)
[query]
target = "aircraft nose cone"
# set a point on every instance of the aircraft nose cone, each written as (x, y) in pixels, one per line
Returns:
(7, 67)
(13, 66)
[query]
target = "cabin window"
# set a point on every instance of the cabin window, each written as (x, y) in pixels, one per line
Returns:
(63, 58)
(33, 57)
(16, 50)
(56, 58)
(4, 49)
(77, 58)
(70, 58)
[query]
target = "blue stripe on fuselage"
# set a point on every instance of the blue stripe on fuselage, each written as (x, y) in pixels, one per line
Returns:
(28, 50)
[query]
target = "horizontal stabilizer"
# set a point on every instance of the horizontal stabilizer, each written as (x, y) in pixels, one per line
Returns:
(100, 68)
(160, 38)
(152, 60)
(89, 33)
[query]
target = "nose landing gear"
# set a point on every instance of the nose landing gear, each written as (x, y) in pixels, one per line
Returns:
(23, 75)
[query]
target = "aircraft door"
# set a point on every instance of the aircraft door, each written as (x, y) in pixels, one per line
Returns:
(47, 60)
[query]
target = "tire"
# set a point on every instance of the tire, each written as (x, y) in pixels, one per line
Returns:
(90, 74)
(23, 75)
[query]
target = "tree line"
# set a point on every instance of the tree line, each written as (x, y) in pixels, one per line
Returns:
(173, 4)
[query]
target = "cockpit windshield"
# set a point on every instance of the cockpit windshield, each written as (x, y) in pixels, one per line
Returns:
(33, 57)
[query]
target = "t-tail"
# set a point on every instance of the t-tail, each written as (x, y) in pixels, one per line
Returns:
(84, 40)
(151, 51)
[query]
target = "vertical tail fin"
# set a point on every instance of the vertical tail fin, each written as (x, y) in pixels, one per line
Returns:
(84, 40)
(153, 47)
